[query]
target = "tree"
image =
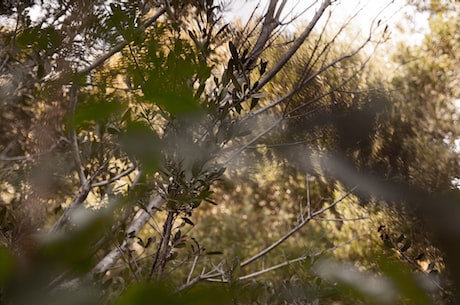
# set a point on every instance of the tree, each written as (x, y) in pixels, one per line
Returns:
(137, 109)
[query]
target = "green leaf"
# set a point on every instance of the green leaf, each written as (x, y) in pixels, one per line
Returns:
(6, 265)
(178, 235)
(233, 50)
(95, 111)
(405, 282)
(143, 144)
(179, 245)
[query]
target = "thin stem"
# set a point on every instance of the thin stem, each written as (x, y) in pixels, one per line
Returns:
(120, 45)
(294, 230)
(138, 222)
(115, 178)
(195, 260)
(160, 264)
(73, 135)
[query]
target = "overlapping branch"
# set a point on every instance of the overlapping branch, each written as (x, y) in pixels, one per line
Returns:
(219, 274)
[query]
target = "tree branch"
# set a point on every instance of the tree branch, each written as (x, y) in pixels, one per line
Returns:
(140, 219)
(270, 74)
(120, 45)
(79, 198)
(298, 259)
(270, 23)
(73, 136)
(115, 178)
(294, 230)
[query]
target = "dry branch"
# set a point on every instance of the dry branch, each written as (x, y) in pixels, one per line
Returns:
(140, 219)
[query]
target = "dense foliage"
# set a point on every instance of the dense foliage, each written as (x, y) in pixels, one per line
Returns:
(152, 153)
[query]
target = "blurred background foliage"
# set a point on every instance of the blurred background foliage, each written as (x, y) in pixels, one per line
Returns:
(177, 110)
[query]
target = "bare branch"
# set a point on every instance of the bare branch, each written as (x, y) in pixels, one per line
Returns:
(140, 219)
(270, 23)
(270, 74)
(79, 198)
(195, 260)
(115, 178)
(255, 139)
(3, 156)
(298, 259)
(342, 219)
(73, 135)
(294, 230)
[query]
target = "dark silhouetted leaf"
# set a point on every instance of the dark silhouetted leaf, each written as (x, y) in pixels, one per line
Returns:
(178, 235)
(188, 221)
(233, 50)
(430, 266)
(263, 67)
(179, 245)
(406, 246)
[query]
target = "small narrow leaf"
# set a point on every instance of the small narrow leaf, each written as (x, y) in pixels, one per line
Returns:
(179, 245)
(188, 221)
(406, 246)
(210, 201)
(263, 67)
(222, 29)
(132, 234)
(140, 242)
(149, 241)
(178, 235)
(214, 253)
(233, 50)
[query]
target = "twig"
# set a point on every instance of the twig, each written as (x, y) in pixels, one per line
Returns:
(308, 196)
(139, 221)
(79, 198)
(115, 178)
(211, 275)
(417, 266)
(294, 230)
(28, 157)
(120, 45)
(166, 248)
(270, 74)
(342, 219)
(251, 142)
(195, 260)
(73, 135)
(270, 23)
(298, 259)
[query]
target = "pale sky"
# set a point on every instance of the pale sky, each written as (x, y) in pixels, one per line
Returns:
(390, 12)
